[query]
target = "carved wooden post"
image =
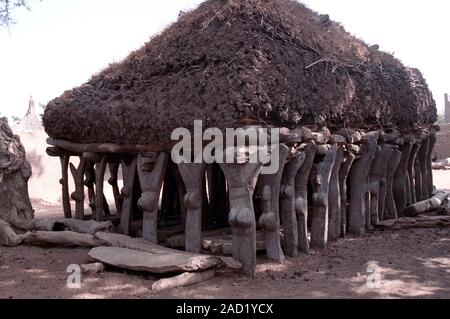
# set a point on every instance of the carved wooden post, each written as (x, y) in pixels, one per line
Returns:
(390, 211)
(129, 171)
(287, 205)
(423, 158)
(401, 179)
(242, 180)
(89, 182)
(101, 160)
(343, 176)
(78, 194)
(382, 195)
(114, 171)
(411, 171)
(100, 168)
(151, 170)
(378, 176)
(65, 160)
(320, 177)
(418, 172)
(270, 185)
(432, 143)
(359, 176)
(193, 176)
(301, 197)
(334, 200)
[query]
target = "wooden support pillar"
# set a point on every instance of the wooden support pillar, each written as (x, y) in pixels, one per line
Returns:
(390, 211)
(129, 171)
(242, 179)
(401, 180)
(113, 181)
(194, 178)
(89, 182)
(287, 205)
(151, 169)
(376, 178)
(65, 160)
(78, 194)
(270, 185)
(100, 202)
(334, 200)
(359, 176)
(411, 171)
(301, 197)
(343, 176)
(432, 143)
(423, 167)
(382, 195)
(320, 177)
(418, 173)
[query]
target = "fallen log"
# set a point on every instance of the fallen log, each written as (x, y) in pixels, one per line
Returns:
(219, 243)
(90, 227)
(419, 222)
(63, 238)
(428, 205)
(183, 280)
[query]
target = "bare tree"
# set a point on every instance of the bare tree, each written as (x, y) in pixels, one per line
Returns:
(6, 7)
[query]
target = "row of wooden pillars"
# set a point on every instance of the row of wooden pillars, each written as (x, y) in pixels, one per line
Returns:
(345, 183)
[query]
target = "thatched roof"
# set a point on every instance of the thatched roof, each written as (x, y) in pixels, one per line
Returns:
(236, 62)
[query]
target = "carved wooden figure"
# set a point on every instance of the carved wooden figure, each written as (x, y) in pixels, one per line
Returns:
(432, 143)
(65, 160)
(320, 178)
(390, 210)
(242, 179)
(301, 197)
(287, 205)
(343, 176)
(423, 167)
(359, 175)
(193, 176)
(151, 169)
(411, 171)
(78, 194)
(270, 185)
(129, 171)
(376, 178)
(335, 211)
(89, 183)
(401, 179)
(383, 183)
(113, 181)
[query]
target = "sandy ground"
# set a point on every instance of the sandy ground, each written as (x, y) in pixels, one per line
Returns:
(408, 264)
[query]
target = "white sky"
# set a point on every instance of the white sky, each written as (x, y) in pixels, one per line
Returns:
(59, 44)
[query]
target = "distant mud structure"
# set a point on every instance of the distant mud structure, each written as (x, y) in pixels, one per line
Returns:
(357, 132)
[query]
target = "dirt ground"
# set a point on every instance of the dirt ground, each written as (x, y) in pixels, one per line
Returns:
(409, 264)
